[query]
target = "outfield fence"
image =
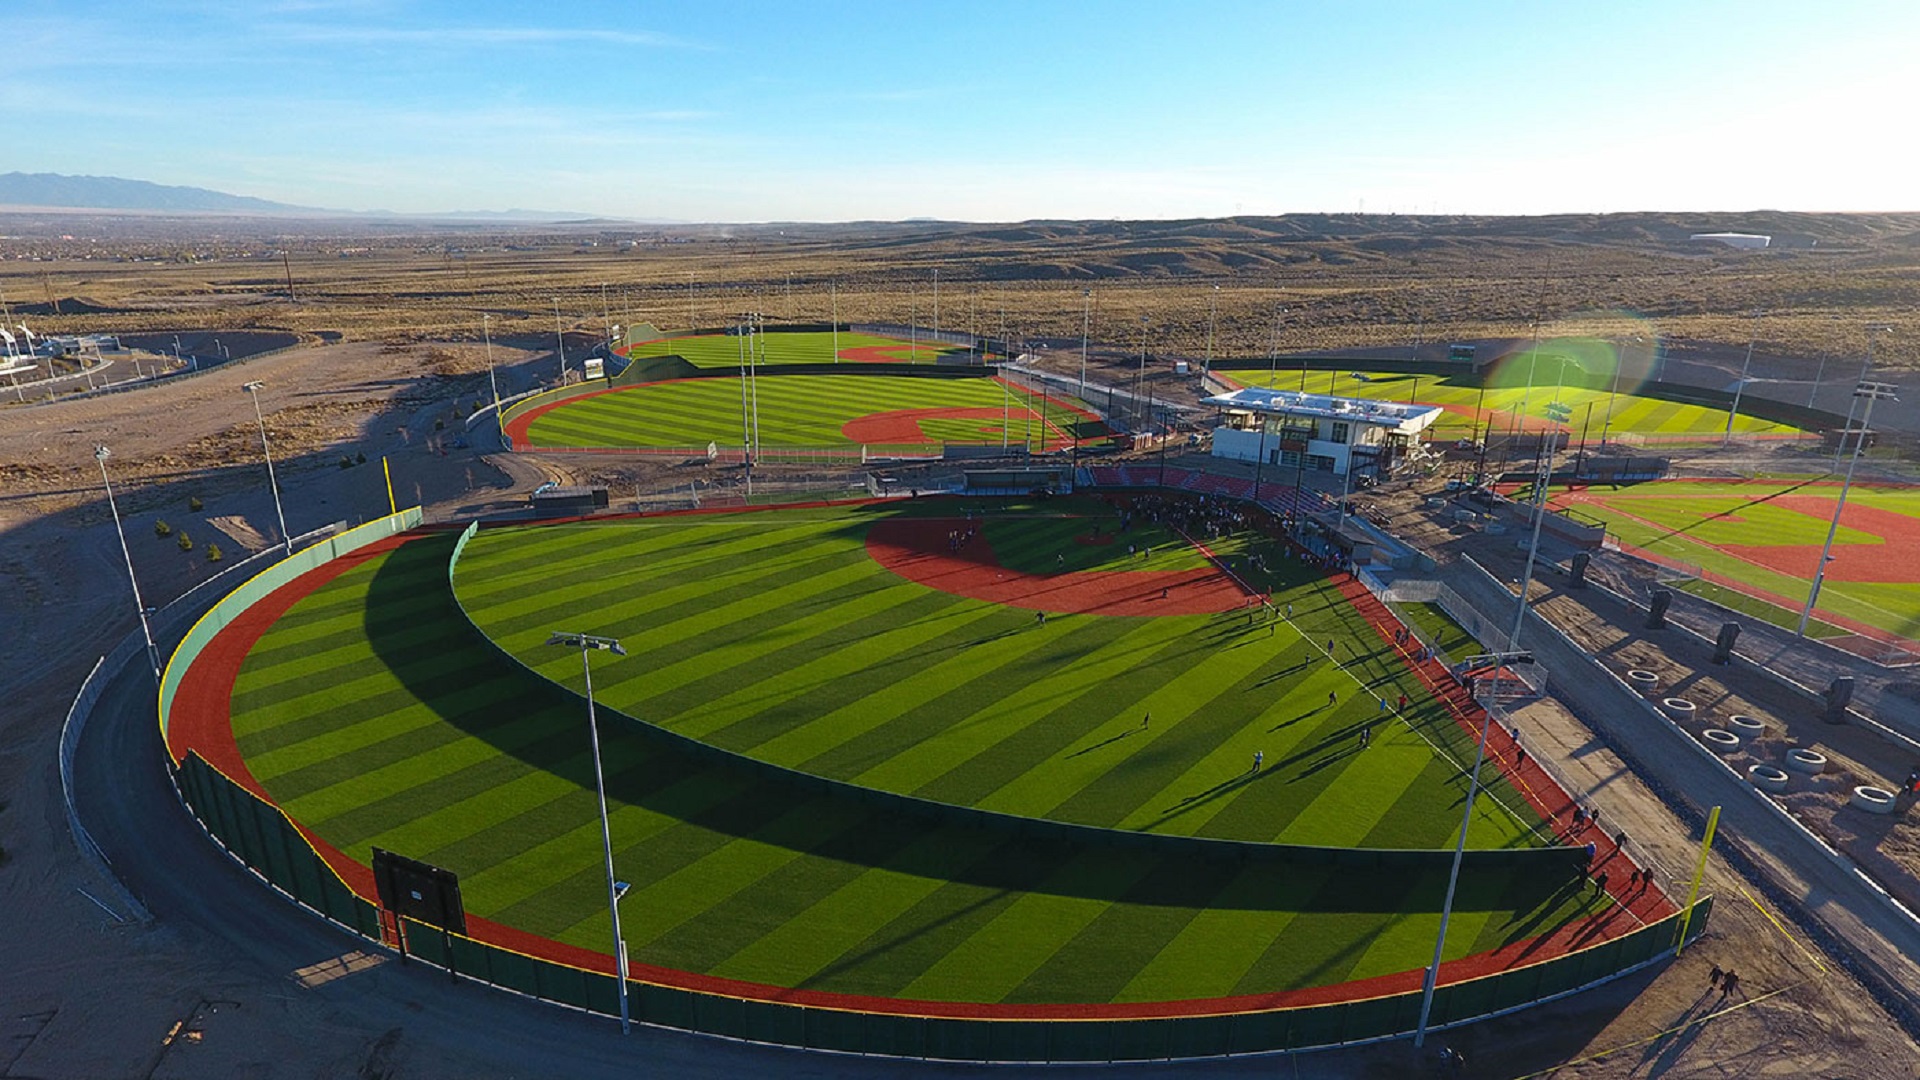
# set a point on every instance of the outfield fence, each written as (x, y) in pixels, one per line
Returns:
(263, 839)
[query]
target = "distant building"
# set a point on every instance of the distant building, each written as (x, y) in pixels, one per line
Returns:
(1316, 431)
(75, 345)
(1735, 239)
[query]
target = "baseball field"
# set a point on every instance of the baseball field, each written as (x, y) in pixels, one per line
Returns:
(798, 347)
(1760, 540)
(1508, 402)
(808, 411)
(1051, 660)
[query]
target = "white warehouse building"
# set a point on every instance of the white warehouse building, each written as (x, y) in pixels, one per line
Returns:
(1325, 434)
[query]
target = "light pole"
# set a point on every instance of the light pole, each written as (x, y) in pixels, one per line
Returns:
(1213, 315)
(1872, 391)
(253, 391)
(146, 631)
(587, 643)
(1432, 976)
(1086, 325)
(1140, 381)
(486, 332)
(560, 339)
(1740, 387)
(1872, 329)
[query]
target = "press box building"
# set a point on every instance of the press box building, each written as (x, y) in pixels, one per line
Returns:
(1330, 434)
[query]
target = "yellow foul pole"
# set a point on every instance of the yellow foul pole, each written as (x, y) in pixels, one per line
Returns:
(393, 509)
(1699, 870)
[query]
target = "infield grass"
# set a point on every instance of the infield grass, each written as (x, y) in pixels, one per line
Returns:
(376, 716)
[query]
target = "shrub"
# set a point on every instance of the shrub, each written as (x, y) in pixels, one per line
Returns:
(194, 504)
(185, 542)
(439, 425)
(162, 529)
(360, 458)
(213, 553)
(346, 461)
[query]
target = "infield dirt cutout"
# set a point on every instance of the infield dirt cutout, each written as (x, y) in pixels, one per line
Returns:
(917, 549)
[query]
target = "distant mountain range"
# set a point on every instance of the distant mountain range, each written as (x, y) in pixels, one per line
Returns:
(53, 190)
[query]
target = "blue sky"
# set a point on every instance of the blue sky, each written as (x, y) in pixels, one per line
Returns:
(980, 111)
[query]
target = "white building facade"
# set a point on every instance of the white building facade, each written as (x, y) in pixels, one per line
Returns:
(1317, 432)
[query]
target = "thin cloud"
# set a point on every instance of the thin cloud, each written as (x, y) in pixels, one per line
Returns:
(482, 36)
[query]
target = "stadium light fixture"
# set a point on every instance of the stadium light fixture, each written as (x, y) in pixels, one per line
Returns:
(560, 339)
(588, 644)
(146, 630)
(1872, 392)
(253, 391)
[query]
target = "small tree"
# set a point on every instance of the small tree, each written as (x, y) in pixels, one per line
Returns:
(360, 458)
(194, 504)
(162, 529)
(213, 553)
(185, 542)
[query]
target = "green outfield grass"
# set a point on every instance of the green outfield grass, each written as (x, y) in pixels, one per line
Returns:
(374, 715)
(805, 410)
(798, 347)
(1631, 415)
(1703, 523)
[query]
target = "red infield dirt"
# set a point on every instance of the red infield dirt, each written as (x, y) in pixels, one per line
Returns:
(916, 549)
(203, 723)
(902, 426)
(1892, 560)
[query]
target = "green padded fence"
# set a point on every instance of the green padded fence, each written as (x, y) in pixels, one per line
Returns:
(266, 581)
(260, 836)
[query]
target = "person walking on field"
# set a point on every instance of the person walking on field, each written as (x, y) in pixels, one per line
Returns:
(1332, 699)
(1258, 758)
(1145, 720)
(1366, 735)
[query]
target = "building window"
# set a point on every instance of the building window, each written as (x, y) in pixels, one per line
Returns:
(1340, 431)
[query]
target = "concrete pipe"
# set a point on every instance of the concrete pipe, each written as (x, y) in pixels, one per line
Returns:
(1643, 681)
(1768, 777)
(1720, 742)
(1873, 800)
(1806, 761)
(1677, 709)
(1747, 727)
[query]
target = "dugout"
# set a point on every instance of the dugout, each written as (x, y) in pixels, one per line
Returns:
(568, 501)
(1026, 481)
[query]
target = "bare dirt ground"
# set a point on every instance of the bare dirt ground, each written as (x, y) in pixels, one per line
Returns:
(84, 996)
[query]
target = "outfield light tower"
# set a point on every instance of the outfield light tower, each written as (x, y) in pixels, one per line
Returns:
(1086, 326)
(587, 644)
(1865, 368)
(560, 339)
(1140, 380)
(1432, 976)
(1747, 366)
(1872, 392)
(1213, 316)
(253, 391)
(146, 631)
(486, 331)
